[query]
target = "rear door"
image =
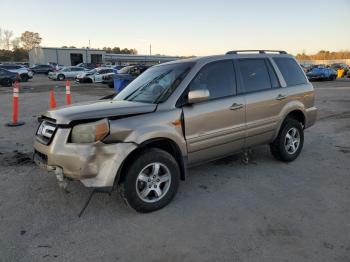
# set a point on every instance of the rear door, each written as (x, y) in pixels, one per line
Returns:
(75, 71)
(264, 99)
(215, 127)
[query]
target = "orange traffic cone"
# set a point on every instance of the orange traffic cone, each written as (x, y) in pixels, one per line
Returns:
(15, 112)
(68, 97)
(52, 99)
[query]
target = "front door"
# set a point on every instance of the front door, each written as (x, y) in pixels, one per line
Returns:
(215, 127)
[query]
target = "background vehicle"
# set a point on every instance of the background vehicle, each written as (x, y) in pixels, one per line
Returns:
(66, 72)
(322, 73)
(7, 78)
(24, 73)
(338, 66)
(117, 68)
(175, 115)
(94, 76)
(125, 76)
(88, 66)
(42, 69)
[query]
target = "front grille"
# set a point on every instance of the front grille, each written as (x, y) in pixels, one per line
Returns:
(46, 132)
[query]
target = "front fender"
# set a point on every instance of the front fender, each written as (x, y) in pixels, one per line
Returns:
(141, 128)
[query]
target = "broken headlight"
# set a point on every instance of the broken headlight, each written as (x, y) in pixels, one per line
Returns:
(90, 132)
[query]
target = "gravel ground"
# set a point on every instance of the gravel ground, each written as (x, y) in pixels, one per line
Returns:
(225, 211)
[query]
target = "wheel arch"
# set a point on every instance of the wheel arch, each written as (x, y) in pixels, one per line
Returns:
(163, 143)
(296, 113)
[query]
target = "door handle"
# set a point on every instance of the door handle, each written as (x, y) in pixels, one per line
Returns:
(236, 106)
(281, 97)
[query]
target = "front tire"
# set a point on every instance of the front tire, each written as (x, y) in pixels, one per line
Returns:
(24, 78)
(6, 82)
(289, 142)
(151, 181)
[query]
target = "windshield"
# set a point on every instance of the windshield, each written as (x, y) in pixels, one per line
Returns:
(125, 70)
(91, 72)
(156, 84)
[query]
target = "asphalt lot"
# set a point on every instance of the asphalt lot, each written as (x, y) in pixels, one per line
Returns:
(224, 211)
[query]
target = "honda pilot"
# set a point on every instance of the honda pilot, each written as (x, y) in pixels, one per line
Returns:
(176, 115)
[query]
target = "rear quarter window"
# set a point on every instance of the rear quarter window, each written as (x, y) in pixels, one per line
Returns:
(291, 71)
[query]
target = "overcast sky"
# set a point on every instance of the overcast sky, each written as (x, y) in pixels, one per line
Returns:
(184, 27)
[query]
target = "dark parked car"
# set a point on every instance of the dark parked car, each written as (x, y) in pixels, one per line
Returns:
(42, 69)
(7, 77)
(24, 73)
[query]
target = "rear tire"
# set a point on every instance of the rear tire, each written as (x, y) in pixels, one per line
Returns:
(151, 181)
(61, 77)
(289, 142)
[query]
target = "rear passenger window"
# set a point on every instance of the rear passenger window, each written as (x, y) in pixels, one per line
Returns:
(255, 74)
(219, 78)
(291, 71)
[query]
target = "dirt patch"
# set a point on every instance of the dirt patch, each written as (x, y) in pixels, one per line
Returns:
(343, 115)
(230, 160)
(15, 158)
(276, 231)
(344, 149)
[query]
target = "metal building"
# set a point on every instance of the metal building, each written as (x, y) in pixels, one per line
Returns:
(65, 56)
(125, 59)
(74, 56)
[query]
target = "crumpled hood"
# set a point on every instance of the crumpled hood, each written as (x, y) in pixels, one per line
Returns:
(98, 109)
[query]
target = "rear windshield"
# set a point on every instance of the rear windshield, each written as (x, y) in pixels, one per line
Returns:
(291, 71)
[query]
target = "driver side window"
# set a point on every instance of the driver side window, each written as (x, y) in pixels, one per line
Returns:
(218, 77)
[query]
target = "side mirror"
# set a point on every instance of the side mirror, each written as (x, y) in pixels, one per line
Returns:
(197, 96)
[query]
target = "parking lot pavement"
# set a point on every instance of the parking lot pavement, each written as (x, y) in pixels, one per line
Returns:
(225, 211)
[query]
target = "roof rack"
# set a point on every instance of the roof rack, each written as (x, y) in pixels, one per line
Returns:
(234, 52)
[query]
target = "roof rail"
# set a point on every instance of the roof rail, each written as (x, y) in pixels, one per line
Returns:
(234, 52)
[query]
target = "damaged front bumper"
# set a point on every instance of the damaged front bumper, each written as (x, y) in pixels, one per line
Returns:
(94, 164)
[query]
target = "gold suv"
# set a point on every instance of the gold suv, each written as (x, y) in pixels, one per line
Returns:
(176, 115)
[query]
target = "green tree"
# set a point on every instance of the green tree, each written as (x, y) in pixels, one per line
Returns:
(20, 55)
(30, 40)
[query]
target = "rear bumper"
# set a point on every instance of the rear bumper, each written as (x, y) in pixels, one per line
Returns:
(95, 164)
(310, 116)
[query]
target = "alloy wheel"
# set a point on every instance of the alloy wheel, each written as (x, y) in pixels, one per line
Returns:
(153, 182)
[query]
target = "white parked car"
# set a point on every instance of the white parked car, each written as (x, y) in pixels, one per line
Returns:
(23, 72)
(94, 76)
(66, 72)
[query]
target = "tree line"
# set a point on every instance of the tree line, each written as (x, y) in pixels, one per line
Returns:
(118, 50)
(113, 50)
(16, 48)
(324, 55)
